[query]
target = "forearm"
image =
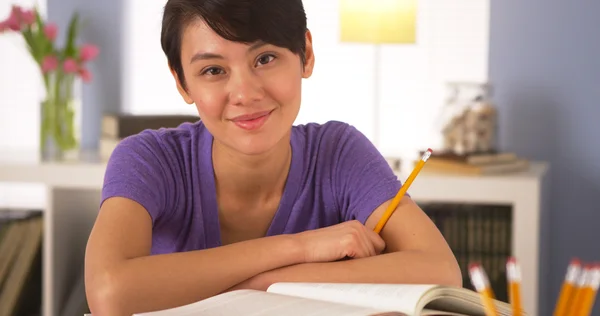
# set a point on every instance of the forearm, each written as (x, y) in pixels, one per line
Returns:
(163, 281)
(396, 267)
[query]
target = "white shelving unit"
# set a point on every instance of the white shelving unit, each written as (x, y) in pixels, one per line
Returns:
(73, 196)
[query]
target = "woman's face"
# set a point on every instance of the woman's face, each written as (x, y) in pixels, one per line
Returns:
(248, 96)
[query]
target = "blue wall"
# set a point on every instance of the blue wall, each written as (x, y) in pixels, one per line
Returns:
(103, 24)
(545, 68)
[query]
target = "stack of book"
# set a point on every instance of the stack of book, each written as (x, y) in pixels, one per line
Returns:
(116, 126)
(21, 235)
(475, 164)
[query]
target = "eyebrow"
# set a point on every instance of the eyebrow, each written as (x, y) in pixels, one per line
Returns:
(205, 56)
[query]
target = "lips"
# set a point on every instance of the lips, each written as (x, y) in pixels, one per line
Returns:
(250, 117)
(251, 122)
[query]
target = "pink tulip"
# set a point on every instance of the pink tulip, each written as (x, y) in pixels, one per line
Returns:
(70, 66)
(16, 18)
(85, 74)
(13, 22)
(16, 10)
(14, 25)
(49, 63)
(51, 30)
(28, 17)
(88, 52)
(3, 26)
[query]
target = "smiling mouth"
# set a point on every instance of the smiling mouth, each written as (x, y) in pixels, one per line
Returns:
(252, 121)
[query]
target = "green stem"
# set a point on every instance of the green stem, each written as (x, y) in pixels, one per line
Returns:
(57, 110)
(58, 113)
(68, 113)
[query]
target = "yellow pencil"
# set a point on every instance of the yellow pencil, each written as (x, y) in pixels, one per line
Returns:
(588, 293)
(396, 201)
(565, 298)
(513, 272)
(576, 303)
(481, 283)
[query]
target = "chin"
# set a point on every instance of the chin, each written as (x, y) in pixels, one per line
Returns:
(259, 143)
(255, 145)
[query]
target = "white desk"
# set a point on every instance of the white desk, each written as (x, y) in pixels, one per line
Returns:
(73, 195)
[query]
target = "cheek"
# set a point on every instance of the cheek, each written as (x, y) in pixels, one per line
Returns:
(285, 88)
(210, 100)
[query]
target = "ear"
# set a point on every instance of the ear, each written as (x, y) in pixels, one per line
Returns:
(310, 56)
(186, 97)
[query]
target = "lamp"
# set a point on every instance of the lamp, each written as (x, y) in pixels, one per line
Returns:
(378, 22)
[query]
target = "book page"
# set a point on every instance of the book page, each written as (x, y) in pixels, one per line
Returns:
(254, 303)
(397, 297)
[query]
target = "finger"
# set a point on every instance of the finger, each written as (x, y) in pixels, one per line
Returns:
(376, 240)
(367, 245)
(372, 247)
(351, 246)
(356, 244)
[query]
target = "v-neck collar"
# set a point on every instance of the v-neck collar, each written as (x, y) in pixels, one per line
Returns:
(210, 208)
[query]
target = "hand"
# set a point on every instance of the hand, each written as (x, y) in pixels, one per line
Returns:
(345, 240)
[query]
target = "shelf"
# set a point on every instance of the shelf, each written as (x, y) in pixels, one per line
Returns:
(72, 195)
(24, 168)
(89, 173)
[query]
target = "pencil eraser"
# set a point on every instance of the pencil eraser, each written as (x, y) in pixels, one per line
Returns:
(430, 150)
(474, 265)
(512, 260)
(575, 261)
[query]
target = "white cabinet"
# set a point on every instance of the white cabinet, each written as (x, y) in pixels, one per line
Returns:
(72, 196)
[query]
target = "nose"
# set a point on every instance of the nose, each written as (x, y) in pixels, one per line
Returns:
(245, 88)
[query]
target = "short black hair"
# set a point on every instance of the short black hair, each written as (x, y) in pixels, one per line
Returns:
(278, 22)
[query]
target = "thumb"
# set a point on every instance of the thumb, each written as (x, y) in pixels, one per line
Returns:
(378, 242)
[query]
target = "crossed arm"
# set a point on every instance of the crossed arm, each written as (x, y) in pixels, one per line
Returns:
(121, 275)
(416, 252)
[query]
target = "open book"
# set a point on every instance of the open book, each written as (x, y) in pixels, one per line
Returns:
(332, 299)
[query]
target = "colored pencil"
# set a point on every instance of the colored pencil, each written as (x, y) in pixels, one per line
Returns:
(513, 272)
(565, 298)
(396, 201)
(588, 293)
(480, 281)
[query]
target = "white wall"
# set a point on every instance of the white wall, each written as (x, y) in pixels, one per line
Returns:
(21, 88)
(148, 87)
(452, 46)
(19, 101)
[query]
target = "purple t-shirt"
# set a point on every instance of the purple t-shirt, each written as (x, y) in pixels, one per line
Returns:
(336, 175)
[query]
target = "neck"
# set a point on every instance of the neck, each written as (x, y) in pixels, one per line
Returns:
(252, 178)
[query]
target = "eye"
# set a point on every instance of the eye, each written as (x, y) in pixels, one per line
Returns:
(265, 59)
(212, 71)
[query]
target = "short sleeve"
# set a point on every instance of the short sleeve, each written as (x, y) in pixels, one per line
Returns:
(363, 179)
(135, 171)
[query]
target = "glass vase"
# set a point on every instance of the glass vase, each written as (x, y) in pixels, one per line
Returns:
(59, 112)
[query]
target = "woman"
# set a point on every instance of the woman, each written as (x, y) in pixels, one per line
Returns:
(242, 198)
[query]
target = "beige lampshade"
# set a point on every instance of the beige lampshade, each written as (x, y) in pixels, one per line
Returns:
(378, 21)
